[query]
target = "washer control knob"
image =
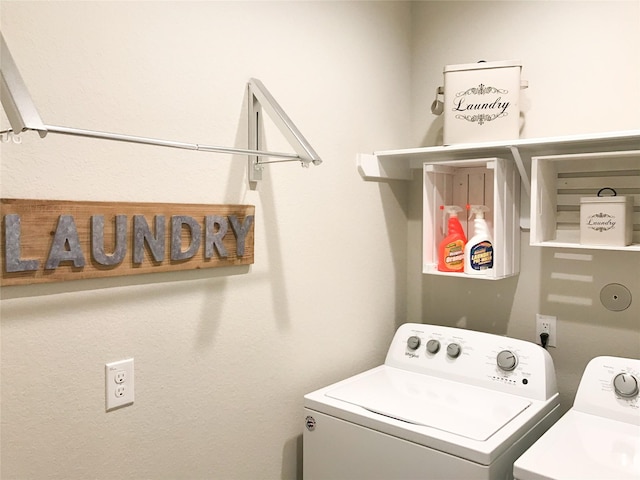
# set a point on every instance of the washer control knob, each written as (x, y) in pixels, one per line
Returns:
(413, 342)
(453, 350)
(507, 360)
(625, 385)
(433, 346)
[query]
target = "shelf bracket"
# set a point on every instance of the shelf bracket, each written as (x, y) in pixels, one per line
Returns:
(23, 116)
(524, 174)
(371, 167)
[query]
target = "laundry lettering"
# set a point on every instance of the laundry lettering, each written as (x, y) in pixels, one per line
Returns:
(601, 224)
(66, 245)
(460, 105)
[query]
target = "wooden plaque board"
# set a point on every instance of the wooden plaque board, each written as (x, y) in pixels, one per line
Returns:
(53, 241)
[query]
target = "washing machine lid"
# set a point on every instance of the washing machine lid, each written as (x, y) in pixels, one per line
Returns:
(584, 446)
(471, 412)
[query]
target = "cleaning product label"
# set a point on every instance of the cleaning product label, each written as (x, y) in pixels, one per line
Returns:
(481, 256)
(454, 255)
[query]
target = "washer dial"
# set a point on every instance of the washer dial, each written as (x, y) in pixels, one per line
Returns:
(507, 360)
(453, 350)
(625, 385)
(413, 342)
(433, 346)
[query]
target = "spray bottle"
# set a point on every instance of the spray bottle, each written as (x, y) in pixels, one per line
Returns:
(451, 249)
(478, 252)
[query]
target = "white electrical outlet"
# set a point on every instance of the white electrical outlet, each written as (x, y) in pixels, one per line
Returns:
(119, 389)
(546, 324)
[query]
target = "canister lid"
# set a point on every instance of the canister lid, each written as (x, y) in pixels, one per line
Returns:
(482, 65)
(604, 199)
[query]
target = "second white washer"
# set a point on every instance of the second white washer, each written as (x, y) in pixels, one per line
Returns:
(599, 437)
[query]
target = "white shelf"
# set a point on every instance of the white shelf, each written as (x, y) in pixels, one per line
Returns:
(400, 164)
(557, 244)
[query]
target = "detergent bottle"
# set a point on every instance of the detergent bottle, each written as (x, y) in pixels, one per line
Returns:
(451, 249)
(478, 252)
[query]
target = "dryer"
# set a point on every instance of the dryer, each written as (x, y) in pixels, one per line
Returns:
(599, 437)
(447, 403)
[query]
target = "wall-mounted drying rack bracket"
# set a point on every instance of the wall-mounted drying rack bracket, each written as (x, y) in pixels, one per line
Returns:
(23, 116)
(260, 99)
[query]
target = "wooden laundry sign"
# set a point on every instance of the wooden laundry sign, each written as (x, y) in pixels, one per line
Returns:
(53, 241)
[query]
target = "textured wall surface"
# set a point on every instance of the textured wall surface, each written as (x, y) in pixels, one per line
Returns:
(222, 357)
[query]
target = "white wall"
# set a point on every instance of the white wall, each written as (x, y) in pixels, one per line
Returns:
(582, 61)
(223, 357)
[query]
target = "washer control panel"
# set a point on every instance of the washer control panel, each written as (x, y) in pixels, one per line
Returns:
(610, 387)
(477, 358)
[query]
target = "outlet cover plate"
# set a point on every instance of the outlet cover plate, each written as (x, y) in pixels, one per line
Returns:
(119, 386)
(542, 322)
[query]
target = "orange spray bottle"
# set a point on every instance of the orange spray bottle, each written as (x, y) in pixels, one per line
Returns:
(451, 249)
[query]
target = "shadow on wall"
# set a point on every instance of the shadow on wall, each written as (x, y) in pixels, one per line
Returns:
(292, 459)
(398, 243)
(238, 178)
(572, 284)
(473, 304)
(56, 288)
(435, 134)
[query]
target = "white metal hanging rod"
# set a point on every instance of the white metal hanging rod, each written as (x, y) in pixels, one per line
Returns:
(23, 116)
(166, 143)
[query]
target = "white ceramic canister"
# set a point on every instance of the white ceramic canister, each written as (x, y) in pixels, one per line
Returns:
(481, 102)
(606, 220)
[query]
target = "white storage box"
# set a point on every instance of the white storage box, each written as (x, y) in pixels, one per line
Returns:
(481, 102)
(606, 220)
(493, 182)
(559, 182)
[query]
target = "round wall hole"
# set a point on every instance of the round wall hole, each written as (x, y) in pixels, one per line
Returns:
(615, 297)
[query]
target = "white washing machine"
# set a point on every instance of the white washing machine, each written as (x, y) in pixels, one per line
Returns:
(448, 403)
(599, 437)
